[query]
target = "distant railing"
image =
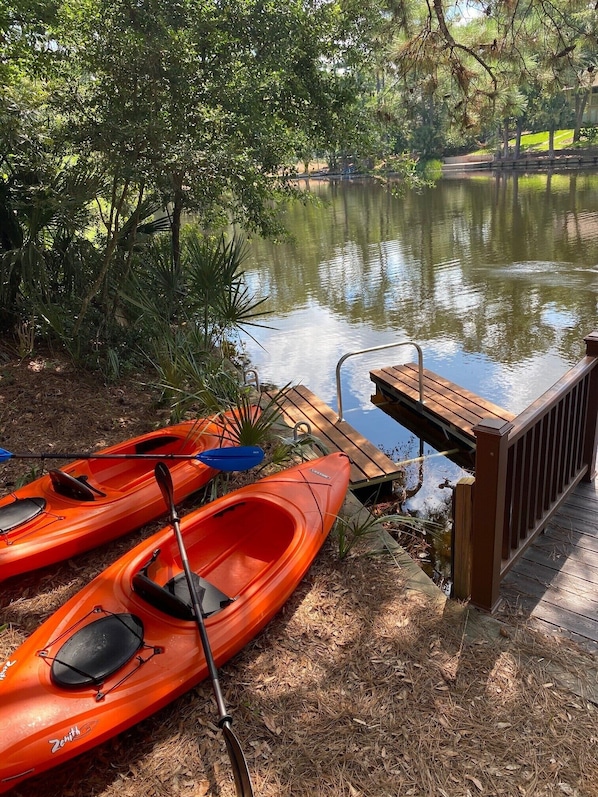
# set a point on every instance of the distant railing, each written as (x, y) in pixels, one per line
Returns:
(524, 471)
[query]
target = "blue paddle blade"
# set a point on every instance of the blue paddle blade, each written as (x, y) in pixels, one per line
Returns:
(4, 454)
(234, 458)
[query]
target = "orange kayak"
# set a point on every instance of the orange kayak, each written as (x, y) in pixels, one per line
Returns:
(92, 501)
(128, 644)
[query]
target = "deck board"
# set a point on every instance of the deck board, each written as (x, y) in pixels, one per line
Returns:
(369, 465)
(555, 583)
(454, 408)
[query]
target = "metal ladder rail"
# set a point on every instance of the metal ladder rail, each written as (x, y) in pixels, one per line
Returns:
(420, 363)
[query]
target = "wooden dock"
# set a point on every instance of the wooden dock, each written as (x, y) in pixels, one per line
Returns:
(555, 583)
(448, 406)
(369, 465)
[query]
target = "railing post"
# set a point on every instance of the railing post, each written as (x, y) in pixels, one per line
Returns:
(591, 435)
(492, 437)
(462, 537)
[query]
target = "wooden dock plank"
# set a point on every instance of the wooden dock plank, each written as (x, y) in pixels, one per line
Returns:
(451, 406)
(461, 396)
(373, 461)
(581, 564)
(466, 407)
(541, 584)
(555, 583)
(437, 399)
(369, 465)
(575, 537)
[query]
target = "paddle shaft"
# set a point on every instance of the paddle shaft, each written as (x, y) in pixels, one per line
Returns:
(224, 717)
(239, 764)
(80, 455)
(227, 458)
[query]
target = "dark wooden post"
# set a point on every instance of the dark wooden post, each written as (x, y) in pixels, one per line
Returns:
(591, 436)
(462, 537)
(492, 437)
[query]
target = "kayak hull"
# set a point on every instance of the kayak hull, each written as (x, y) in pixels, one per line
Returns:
(124, 493)
(251, 547)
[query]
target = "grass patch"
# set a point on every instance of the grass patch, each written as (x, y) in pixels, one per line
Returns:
(538, 142)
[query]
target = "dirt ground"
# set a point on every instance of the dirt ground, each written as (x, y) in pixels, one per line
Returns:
(363, 686)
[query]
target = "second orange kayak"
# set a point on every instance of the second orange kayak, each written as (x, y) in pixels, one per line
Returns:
(92, 501)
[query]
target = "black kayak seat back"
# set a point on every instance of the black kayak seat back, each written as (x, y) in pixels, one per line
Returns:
(70, 486)
(20, 511)
(174, 597)
(97, 651)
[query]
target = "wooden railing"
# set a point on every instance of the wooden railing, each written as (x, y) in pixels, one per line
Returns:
(524, 471)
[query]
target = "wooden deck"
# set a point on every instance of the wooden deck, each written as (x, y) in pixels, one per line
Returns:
(369, 465)
(555, 583)
(447, 405)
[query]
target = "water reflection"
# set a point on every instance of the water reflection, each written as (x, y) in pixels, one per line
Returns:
(490, 274)
(496, 277)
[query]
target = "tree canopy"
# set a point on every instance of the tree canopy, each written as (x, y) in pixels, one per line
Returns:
(117, 110)
(477, 62)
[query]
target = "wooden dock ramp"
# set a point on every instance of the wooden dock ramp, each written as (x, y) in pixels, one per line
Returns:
(369, 465)
(454, 409)
(555, 583)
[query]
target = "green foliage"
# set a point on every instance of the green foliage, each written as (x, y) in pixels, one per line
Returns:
(111, 113)
(31, 474)
(184, 312)
(251, 427)
(589, 134)
(350, 531)
(502, 63)
(190, 376)
(430, 169)
(216, 289)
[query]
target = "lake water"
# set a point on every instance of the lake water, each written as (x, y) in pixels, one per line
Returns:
(494, 276)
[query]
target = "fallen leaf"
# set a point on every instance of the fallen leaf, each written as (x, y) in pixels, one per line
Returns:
(477, 783)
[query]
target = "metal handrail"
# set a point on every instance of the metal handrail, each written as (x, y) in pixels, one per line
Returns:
(420, 363)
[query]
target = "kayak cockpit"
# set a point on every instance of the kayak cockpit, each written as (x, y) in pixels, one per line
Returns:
(120, 474)
(75, 487)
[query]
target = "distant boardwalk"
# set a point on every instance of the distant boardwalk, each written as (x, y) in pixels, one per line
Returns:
(585, 158)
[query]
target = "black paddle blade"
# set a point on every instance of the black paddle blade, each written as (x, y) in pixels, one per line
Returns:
(238, 762)
(164, 480)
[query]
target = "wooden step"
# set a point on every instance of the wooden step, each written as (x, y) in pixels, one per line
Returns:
(369, 465)
(455, 409)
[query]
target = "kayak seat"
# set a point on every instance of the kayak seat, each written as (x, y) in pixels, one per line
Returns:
(67, 485)
(20, 511)
(97, 650)
(174, 597)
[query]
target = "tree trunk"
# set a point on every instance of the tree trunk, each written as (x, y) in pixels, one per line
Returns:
(177, 213)
(580, 106)
(505, 134)
(518, 136)
(551, 141)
